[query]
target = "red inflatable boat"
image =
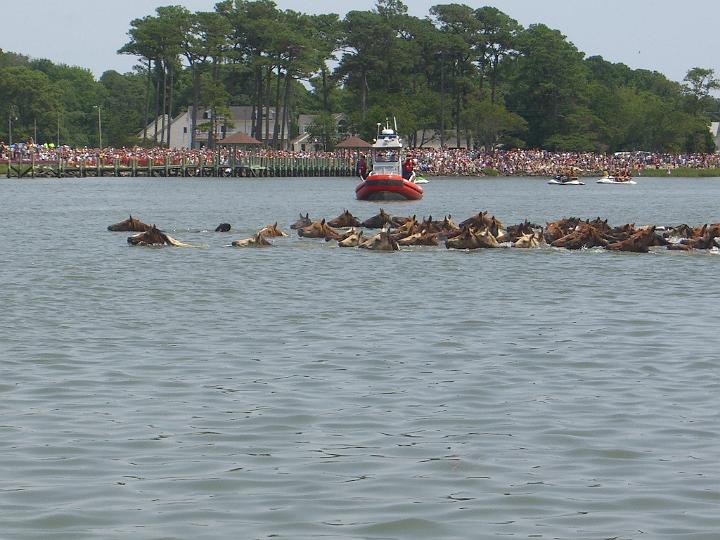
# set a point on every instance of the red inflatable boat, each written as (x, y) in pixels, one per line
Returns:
(388, 187)
(385, 181)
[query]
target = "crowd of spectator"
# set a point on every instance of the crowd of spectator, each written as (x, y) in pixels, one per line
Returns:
(435, 162)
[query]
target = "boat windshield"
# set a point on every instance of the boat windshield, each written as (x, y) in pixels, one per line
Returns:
(386, 156)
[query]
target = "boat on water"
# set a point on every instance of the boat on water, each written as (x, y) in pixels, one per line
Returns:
(565, 180)
(420, 179)
(609, 179)
(385, 180)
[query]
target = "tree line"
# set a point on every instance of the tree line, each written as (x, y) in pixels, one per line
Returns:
(466, 76)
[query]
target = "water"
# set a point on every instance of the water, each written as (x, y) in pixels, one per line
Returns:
(308, 391)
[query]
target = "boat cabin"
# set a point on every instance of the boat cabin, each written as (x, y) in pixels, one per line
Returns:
(386, 153)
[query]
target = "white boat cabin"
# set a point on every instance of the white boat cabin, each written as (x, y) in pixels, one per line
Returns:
(387, 153)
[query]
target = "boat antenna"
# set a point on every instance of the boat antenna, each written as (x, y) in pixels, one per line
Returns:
(395, 122)
(378, 129)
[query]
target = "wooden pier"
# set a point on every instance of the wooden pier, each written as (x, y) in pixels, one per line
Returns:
(256, 166)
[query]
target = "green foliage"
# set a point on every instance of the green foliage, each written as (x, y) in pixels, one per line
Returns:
(473, 74)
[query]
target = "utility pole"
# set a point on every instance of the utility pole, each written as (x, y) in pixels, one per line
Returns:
(11, 118)
(99, 108)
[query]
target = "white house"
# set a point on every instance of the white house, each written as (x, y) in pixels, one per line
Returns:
(715, 132)
(240, 121)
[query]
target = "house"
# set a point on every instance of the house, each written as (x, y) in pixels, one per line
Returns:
(240, 121)
(715, 132)
(305, 142)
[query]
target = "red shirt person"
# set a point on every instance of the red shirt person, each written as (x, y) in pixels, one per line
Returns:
(407, 168)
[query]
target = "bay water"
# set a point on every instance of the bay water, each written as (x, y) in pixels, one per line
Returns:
(309, 391)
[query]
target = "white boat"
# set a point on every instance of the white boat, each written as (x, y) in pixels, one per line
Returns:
(419, 179)
(612, 180)
(562, 180)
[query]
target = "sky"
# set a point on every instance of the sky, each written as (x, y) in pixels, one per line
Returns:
(660, 35)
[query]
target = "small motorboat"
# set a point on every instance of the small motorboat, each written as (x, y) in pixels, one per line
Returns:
(609, 179)
(385, 181)
(419, 179)
(565, 180)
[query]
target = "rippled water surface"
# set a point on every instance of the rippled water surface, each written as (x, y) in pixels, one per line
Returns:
(308, 391)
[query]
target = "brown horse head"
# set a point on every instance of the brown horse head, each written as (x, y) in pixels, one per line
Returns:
(410, 226)
(472, 238)
(622, 232)
(706, 241)
(351, 239)
(431, 225)
(256, 241)
(422, 238)
(271, 231)
(319, 229)
(583, 236)
(530, 240)
(152, 237)
(130, 225)
(380, 242)
(638, 242)
(513, 232)
(477, 221)
(555, 230)
(399, 221)
(378, 221)
(155, 237)
(448, 225)
(304, 221)
(346, 219)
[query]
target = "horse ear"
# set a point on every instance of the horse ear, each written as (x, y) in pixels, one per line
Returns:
(322, 222)
(275, 225)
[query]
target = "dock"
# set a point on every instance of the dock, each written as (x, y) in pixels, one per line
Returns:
(254, 166)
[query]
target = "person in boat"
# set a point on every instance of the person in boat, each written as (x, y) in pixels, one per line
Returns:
(361, 167)
(407, 168)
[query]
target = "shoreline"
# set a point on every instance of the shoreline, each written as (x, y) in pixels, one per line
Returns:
(678, 172)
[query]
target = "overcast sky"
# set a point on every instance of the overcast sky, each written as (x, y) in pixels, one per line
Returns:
(662, 35)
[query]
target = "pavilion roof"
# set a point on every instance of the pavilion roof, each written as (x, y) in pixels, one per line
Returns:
(353, 142)
(239, 138)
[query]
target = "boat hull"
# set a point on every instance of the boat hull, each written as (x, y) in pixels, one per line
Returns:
(554, 182)
(387, 187)
(612, 180)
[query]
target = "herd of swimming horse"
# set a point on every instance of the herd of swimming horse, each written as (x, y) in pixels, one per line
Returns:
(478, 231)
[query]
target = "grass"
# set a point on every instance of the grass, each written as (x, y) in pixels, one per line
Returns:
(684, 172)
